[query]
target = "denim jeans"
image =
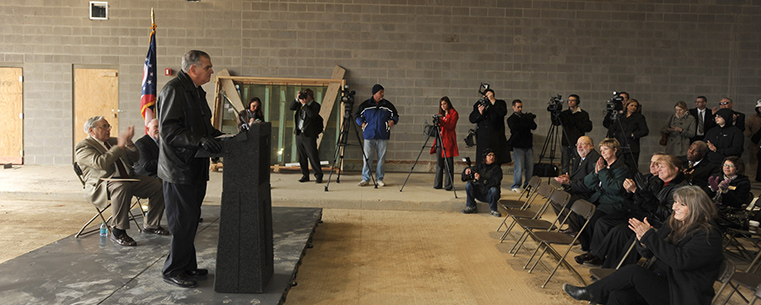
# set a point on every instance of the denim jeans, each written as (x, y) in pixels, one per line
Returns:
(490, 196)
(524, 161)
(378, 146)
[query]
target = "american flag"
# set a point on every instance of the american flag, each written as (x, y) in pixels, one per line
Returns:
(148, 96)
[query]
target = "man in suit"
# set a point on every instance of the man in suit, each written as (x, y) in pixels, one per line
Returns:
(573, 183)
(149, 151)
(704, 118)
(307, 126)
(697, 169)
(184, 128)
(103, 158)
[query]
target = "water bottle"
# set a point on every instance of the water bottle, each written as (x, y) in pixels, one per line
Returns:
(103, 229)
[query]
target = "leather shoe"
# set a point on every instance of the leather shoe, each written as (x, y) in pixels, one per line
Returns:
(580, 259)
(122, 240)
(594, 261)
(318, 179)
(569, 231)
(578, 293)
(180, 280)
(197, 272)
(304, 179)
(157, 231)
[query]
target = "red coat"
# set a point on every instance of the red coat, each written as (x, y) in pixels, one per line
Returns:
(448, 134)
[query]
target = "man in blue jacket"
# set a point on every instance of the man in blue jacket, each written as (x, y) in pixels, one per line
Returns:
(376, 116)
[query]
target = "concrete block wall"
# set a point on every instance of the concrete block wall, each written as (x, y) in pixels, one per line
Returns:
(658, 51)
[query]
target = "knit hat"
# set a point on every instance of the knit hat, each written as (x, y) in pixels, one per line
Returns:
(726, 114)
(377, 88)
(486, 152)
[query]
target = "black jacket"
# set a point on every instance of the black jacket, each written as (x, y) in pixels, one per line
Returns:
(691, 265)
(149, 156)
(578, 172)
(698, 174)
(575, 125)
(312, 120)
(728, 141)
(490, 174)
(633, 125)
(738, 193)
(490, 131)
(184, 119)
(655, 203)
(521, 125)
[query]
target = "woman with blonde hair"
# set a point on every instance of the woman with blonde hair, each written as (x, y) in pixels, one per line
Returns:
(678, 130)
(688, 248)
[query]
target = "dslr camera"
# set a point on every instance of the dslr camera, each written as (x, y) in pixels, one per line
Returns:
(614, 106)
(302, 95)
(471, 176)
(482, 90)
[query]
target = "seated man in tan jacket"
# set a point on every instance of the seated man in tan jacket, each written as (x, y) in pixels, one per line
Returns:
(106, 163)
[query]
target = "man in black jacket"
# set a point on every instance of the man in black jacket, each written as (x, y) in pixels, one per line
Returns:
(575, 122)
(307, 126)
(697, 169)
(490, 127)
(573, 183)
(484, 182)
(522, 141)
(725, 139)
(704, 118)
(149, 151)
(184, 128)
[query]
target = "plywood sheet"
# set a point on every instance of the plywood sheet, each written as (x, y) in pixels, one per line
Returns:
(12, 128)
(330, 98)
(96, 92)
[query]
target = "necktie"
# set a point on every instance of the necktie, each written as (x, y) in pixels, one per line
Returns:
(700, 122)
(119, 165)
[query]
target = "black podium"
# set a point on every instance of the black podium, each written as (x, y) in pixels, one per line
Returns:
(244, 251)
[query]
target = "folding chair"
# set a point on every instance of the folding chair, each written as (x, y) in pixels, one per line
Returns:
(528, 224)
(598, 273)
(80, 175)
(544, 190)
(726, 272)
(547, 238)
(512, 204)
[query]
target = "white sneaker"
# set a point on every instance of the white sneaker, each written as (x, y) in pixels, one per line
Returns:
(517, 190)
(381, 183)
(362, 183)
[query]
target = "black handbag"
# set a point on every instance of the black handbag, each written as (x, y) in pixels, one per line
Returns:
(470, 139)
(545, 170)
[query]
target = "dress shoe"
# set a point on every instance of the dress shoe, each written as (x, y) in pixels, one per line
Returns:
(122, 240)
(157, 231)
(578, 293)
(318, 179)
(180, 280)
(304, 179)
(580, 259)
(594, 261)
(437, 187)
(568, 231)
(197, 272)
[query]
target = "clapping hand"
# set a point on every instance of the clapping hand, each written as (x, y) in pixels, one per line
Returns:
(724, 185)
(711, 146)
(563, 179)
(713, 183)
(639, 227)
(630, 185)
(599, 165)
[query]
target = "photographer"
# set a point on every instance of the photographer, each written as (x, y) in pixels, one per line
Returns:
(489, 116)
(484, 182)
(308, 125)
(447, 121)
(628, 128)
(576, 124)
(253, 113)
(522, 142)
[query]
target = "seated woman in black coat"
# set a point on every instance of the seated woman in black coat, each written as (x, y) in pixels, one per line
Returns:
(688, 248)
(730, 188)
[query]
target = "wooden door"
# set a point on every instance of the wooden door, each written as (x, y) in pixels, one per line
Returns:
(11, 116)
(96, 92)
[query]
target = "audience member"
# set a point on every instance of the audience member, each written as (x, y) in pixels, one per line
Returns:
(104, 161)
(753, 131)
(185, 127)
(628, 128)
(575, 122)
(697, 169)
(484, 182)
(723, 140)
(377, 116)
(573, 183)
(253, 113)
(730, 188)
(307, 126)
(738, 118)
(680, 127)
(447, 124)
(490, 127)
(148, 146)
(522, 142)
(688, 248)
(703, 118)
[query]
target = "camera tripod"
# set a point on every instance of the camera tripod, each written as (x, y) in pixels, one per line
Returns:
(551, 141)
(341, 144)
(439, 150)
(626, 151)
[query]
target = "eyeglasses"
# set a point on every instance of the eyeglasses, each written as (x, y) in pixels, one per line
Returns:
(107, 126)
(723, 103)
(729, 165)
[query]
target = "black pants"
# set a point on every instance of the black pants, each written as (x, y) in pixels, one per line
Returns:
(306, 147)
(586, 237)
(633, 285)
(573, 220)
(602, 228)
(183, 209)
(442, 169)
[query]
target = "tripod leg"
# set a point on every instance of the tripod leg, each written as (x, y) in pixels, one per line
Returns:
(340, 145)
(367, 161)
(415, 163)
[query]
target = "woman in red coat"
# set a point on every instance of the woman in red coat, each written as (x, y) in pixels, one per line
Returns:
(447, 122)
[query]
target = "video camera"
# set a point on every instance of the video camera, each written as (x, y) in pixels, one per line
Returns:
(472, 175)
(614, 106)
(347, 97)
(484, 101)
(555, 106)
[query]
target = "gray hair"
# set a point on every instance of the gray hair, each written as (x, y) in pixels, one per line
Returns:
(192, 58)
(90, 123)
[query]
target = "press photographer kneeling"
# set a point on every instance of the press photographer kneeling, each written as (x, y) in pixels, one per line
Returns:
(483, 183)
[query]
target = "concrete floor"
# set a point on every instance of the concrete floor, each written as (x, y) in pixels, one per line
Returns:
(376, 246)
